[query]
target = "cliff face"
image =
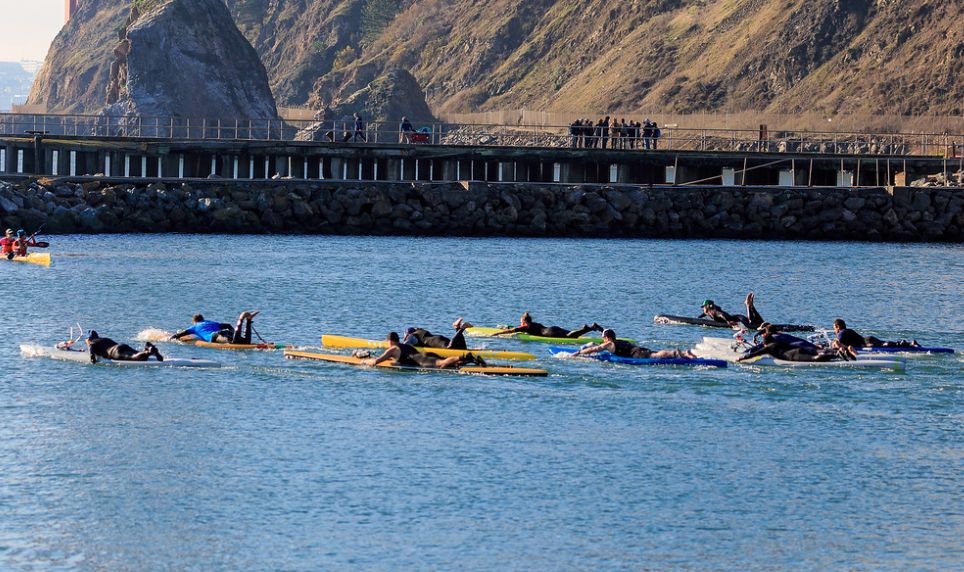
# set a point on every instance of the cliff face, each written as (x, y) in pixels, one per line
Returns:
(831, 56)
(74, 76)
(186, 58)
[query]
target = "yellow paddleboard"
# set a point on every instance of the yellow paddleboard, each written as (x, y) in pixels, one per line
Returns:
(346, 342)
(38, 258)
(488, 370)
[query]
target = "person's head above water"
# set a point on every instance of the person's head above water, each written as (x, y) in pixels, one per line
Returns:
(526, 318)
(21, 232)
(409, 331)
(709, 304)
(392, 338)
(839, 324)
(609, 335)
(197, 319)
(92, 335)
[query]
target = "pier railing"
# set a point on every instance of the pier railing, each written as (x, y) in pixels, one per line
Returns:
(342, 131)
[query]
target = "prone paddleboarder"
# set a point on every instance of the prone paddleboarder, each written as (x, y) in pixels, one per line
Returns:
(783, 346)
(107, 348)
(426, 339)
(219, 333)
(528, 326)
(849, 339)
(624, 349)
(752, 319)
(406, 355)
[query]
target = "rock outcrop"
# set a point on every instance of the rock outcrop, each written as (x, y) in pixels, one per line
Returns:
(186, 58)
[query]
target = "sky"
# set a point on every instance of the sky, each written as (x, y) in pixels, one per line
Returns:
(27, 28)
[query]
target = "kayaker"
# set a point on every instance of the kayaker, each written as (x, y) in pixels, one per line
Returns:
(8, 244)
(622, 348)
(407, 355)
(527, 326)
(107, 348)
(791, 348)
(426, 339)
(219, 333)
(847, 338)
(22, 242)
(753, 319)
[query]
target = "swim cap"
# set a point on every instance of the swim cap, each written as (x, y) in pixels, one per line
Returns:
(409, 331)
(708, 303)
(609, 333)
(92, 335)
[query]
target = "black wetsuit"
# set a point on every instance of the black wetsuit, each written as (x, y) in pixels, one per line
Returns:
(717, 314)
(424, 338)
(231, 335)
(627, 350)
(848, 337)
(411, 357)
(109, 349)
(537, 329)
(789, 348)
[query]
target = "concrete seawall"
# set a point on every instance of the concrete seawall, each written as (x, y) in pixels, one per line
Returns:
(485, 209)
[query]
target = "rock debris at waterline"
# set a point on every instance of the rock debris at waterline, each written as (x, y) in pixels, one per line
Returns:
(483, 209)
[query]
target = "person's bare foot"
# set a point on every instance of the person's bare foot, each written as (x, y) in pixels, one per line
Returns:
(457, 324)
(749, 299)
(251, 315)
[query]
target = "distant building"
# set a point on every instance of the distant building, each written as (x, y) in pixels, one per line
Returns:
(70, 6)
(15, 82)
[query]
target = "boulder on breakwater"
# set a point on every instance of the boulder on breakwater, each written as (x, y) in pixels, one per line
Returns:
(485, 209)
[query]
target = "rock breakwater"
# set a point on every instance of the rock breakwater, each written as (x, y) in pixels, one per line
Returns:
(484, 209)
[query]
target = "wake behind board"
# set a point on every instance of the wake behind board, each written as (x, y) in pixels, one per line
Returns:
(683, 320)
(347, 342)
(487, 370)
(608, 357)
(76, 356)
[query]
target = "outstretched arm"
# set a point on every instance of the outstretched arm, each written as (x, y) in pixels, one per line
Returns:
(764, 349)
(183, 334)
(603, 347)
(387, 355)
(515, 330)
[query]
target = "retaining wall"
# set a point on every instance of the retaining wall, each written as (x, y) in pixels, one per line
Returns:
(485, 209)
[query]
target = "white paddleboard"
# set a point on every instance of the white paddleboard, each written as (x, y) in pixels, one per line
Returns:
(30, 350)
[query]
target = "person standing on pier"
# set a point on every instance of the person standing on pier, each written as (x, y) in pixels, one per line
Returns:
(405, 131)
(359, 132)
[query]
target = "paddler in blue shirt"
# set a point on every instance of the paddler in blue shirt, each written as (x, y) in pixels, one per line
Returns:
(218, 333)
(107, 348)
(406, 355)
(624, 349)
(527, 326)
(753, 319)
(424, 338)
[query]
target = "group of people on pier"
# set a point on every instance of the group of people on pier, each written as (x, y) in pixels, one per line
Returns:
(612, 133)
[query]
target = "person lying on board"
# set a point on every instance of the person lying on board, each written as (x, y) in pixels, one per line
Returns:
(752, 319)
(218, 333)
(847, 338)
(406, 355)
(424, 338)
(624, 349)
(791, 348)
(527, 326)
(107, 348)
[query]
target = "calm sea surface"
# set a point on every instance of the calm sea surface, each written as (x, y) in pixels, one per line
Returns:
(274, 465)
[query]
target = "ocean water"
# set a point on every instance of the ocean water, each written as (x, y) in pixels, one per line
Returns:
(269, 464)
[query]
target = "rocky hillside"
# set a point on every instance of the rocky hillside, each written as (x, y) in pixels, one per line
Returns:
(830, 56)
